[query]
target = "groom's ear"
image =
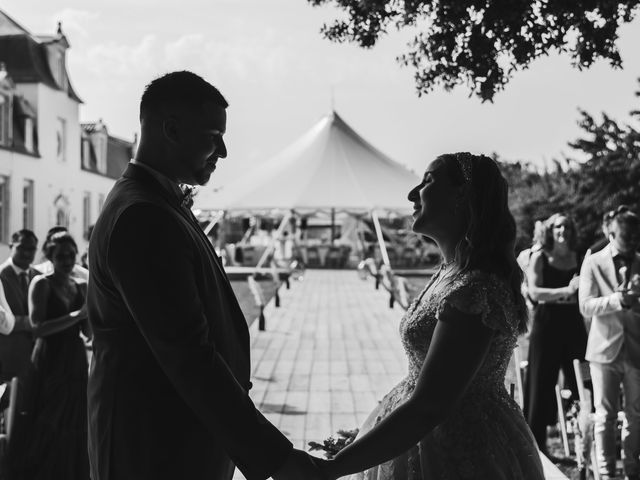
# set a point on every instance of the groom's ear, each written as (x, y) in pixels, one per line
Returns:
(170, 129)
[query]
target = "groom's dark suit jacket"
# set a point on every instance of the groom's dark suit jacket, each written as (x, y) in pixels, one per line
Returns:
(170, 371)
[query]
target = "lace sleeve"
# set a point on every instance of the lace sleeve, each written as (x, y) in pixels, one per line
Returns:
(478, 293)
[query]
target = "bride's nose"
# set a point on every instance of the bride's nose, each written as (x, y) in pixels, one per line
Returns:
(413, 193)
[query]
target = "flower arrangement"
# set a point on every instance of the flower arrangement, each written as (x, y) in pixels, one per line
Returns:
(332, 445)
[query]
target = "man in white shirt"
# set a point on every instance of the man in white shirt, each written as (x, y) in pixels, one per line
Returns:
(613, 348)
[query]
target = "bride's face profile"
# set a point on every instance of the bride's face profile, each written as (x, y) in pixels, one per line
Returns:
(434, 202)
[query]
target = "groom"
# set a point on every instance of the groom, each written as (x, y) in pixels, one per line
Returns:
(169, 381)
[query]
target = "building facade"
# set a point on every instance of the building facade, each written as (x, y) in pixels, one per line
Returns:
(54, 170)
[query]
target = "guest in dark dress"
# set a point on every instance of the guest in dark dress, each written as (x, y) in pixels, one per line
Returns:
(56, 441)
(558, 334)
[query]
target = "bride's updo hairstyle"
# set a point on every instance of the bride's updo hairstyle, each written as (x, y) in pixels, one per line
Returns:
(489, 240)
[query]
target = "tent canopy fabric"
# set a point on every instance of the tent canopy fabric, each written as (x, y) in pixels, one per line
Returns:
(330, 166)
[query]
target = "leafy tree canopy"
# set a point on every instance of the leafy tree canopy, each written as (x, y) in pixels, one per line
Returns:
(605, 174)
(482, 43)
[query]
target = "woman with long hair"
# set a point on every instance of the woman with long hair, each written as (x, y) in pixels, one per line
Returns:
(56, 432)
(452, 417)
(558, 335)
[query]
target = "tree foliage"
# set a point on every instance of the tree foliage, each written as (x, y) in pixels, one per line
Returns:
(605, 174)
(482, 43)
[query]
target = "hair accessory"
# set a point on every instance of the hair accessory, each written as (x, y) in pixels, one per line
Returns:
(465, 166)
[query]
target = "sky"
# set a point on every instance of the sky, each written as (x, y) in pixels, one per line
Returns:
(281, 76)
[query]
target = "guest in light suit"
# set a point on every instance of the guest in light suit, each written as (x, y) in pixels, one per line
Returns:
(613, 348)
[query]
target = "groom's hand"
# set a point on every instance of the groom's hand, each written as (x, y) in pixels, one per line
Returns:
(299, 466)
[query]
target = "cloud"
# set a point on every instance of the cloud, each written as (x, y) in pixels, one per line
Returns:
(244, 59)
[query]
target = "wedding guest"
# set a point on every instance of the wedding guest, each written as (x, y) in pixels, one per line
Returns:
(46, 267)
(603, 242)
(558, 335)
(16, 274)
(524, 260)
(56, 445)
(451, 416)
(609, 292)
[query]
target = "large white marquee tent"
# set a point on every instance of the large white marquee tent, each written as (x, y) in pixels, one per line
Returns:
(329, 167)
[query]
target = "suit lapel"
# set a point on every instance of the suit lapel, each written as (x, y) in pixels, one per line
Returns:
(140, 174)
(608, 268)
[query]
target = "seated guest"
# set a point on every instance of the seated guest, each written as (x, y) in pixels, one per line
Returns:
(56, 429)
(608, 294)
(558, 334)
(46, 267)
(16, 274)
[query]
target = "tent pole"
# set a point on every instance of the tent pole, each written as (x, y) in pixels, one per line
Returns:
(213, 221)
(381, 244)
(333, 225)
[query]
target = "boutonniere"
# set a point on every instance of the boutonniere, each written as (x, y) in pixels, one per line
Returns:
(623, 273)
(188, 194)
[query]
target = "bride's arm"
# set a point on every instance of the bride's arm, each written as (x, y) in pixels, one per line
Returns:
(459, 345)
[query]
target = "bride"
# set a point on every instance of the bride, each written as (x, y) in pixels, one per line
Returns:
(451, 417)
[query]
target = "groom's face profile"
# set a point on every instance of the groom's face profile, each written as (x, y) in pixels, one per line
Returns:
(200, 141)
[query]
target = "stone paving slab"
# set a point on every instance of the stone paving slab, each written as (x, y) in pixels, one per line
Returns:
(328, 355)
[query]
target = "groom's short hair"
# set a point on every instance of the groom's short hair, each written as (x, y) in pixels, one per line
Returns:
(181, 88)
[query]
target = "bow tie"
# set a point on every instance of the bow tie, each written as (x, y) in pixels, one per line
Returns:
(187, 196)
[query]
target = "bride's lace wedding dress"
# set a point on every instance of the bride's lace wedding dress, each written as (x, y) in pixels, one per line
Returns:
(486, 436)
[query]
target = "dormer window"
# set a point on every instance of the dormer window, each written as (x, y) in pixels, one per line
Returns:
(101, 153)
(28, 135)
(57, 64)
(86, 154)
(5, 120)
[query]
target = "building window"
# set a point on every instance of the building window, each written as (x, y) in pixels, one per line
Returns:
(86, 212)
(28, 134)
(4, 209)
(27, 204)
(5, 119)
(101, 153)
(86, 154)
(100, 202)
(61, 140)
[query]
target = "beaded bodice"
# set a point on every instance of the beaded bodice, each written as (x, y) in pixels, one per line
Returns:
(474, 293)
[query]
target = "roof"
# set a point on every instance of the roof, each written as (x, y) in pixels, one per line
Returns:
(25, 56)
(119, 154)
(330, 166)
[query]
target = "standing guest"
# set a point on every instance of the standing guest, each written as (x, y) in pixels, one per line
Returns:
(613, 349)
(16, 274)
(56, 446)
(524, 260)
(46, 267)
(606, 223)
(558, 334)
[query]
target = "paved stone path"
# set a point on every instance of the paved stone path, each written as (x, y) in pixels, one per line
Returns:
(328, 354)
